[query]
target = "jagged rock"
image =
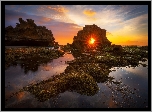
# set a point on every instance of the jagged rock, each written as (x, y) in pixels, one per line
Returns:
(90, 31)
(27, 31)
(21, 20)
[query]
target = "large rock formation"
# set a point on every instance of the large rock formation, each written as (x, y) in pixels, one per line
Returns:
(29, 32)
(81, 41)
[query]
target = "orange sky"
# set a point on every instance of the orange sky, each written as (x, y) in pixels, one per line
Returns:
(125, 24)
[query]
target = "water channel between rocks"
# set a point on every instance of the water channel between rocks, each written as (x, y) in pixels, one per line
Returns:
(134, 82)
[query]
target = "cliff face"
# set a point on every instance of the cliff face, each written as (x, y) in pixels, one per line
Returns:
(29, 31)
(81, 41)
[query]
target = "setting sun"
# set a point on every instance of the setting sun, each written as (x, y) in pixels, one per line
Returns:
(91, 41)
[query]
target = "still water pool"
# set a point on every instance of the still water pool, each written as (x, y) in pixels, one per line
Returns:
(131, 92)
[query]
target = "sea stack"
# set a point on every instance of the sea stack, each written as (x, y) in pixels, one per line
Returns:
(81, 41)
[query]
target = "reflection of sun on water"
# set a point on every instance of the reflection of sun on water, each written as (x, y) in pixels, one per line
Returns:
(91, 41)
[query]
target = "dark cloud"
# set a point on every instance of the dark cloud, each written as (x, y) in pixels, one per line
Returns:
(11, 18)
(132, 11)
(56, 12)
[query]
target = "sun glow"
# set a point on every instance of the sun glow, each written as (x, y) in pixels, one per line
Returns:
(91, 41)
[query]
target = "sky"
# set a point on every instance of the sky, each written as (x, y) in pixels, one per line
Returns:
(124, 24)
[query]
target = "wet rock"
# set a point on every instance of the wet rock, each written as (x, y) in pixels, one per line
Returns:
(30, 58)
(72, 81)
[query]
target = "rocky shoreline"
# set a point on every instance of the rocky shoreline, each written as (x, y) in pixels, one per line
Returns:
(83, 73)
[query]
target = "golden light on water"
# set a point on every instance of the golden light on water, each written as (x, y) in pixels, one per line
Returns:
(91, 41)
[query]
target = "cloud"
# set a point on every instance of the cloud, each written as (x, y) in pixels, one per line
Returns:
(120, 21)
(135, 30)
(95, 15)
(56, 12)
(63, 32)
(89, 12)
(111, 17)
(11, 18)
(137, 23)
(135, 26)
(50, 10)
(58, 8)
(85, 18)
